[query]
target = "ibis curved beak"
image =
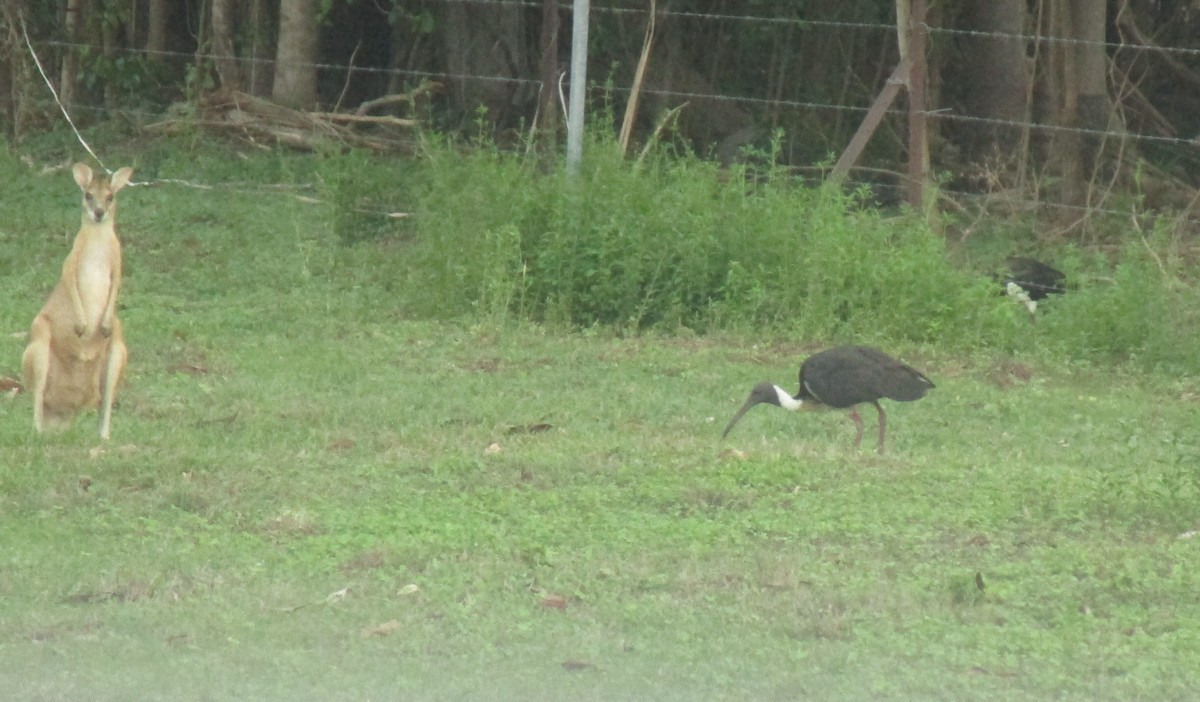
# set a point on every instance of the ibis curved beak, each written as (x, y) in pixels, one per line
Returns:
(745, 408)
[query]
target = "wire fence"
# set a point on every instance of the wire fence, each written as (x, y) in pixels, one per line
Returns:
(848, 107)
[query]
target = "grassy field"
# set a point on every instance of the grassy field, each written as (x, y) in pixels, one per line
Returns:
(311, 495)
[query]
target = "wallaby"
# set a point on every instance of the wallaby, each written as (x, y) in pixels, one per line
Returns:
(76, 351)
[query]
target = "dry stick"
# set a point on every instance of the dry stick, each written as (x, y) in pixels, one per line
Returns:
(367, 106)
(1161, 124)
(367, 119)
(638, 79)
(1126, 21)
(349, 72)
(1165, 127)
(428, 86)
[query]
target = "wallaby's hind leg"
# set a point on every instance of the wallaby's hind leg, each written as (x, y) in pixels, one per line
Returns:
(114, 366)
(35, 366)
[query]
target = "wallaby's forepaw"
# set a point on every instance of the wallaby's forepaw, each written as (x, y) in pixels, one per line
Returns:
(105, 330)
(80, 329)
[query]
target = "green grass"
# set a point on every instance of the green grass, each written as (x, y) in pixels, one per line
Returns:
(289, 431)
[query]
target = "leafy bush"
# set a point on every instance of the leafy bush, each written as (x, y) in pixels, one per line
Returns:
(670, 242)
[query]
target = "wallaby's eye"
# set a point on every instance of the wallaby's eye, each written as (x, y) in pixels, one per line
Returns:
(89, 198)
(108, 197)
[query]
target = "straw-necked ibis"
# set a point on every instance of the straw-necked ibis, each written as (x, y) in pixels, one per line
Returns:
(844, 377)
(1029, 280)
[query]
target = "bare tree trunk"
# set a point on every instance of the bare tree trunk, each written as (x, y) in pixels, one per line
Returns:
(487, 40)
(8, 68)
(295, 58)
(261, 65)
(996, 73)
(134, 32)
(1062, 90)
(156, 30)
(396, 61)
(200, 82)
(224, 56)
(70, 59)
(548, 98)
(1094, 104)
(108, 43)
(8, 103)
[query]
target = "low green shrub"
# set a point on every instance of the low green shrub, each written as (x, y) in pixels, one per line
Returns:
(673, 242)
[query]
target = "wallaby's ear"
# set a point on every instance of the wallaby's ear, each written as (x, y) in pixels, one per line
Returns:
(83, 175)
(120, 179)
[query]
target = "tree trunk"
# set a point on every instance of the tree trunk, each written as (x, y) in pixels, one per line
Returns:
(9, 63)
(108, 37)
(487, 40)
(995, 74)
(261, 65)
(296, 55)
(70, 59)
(1075, 76)
(8, 103)
(1094, 104)
(134, 33)
(156, 30)
(224, 56)
(548, 98)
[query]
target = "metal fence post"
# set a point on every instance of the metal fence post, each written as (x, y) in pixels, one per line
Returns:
(575, 108)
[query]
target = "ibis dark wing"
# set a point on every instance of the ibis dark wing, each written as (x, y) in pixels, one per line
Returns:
(848, 375)
(1036, 278)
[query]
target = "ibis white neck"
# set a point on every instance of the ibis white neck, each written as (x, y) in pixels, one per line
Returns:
(786, 401)
(1020, 294)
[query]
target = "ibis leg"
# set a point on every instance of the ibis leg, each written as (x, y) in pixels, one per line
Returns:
(858, 424)
(882, 426)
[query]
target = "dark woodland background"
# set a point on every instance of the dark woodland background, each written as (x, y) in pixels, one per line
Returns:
(1074, 104)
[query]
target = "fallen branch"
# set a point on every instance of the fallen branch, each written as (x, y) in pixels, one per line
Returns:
(1125, 21)
(366, 119)
(259, 119)
(425, 89)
